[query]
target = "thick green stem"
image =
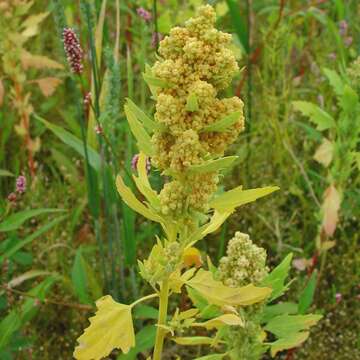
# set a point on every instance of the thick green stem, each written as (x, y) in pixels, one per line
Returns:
(163, 306)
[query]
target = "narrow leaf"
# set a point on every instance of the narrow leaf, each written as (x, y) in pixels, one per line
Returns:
(130, 199)
(213, 165)
(138, 130)
(307, 296)
(225, 123)
(192, 103)
(234, 198)
(14, 221)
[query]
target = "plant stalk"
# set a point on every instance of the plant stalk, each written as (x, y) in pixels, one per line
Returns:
(163, 306)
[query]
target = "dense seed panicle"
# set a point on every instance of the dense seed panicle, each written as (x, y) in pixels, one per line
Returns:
(73, 50)
(196, 63)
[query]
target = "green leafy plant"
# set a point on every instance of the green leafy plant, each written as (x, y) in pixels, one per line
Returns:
(337, 152)
(14, 258)
(186, 141)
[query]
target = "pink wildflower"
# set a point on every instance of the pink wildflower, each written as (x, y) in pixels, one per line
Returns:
(74, 53)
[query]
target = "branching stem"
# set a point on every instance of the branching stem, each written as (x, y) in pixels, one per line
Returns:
(163, 307)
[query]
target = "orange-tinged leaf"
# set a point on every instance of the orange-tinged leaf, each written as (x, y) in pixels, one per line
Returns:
(110, 328)
(330, 208)
(324, 153)
(48, 85)
(38, 62)
(192, 257)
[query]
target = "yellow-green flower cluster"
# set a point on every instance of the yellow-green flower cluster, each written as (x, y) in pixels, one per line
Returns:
(245, 262)
(162, 261)
(195, 64)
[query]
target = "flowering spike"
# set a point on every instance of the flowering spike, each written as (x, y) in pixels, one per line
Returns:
(73, 50)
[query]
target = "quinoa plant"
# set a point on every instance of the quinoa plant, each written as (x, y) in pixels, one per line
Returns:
(186, 141)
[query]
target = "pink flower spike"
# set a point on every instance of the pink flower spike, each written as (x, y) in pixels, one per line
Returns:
(73, 50)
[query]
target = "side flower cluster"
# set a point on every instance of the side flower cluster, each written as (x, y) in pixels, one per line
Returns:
(195, 65)
(245, 262)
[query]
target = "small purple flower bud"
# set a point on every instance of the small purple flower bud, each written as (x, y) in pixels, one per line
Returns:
(156, 37)
(73, 50)
(144, 14)
(12, 197)
(332, 56)
(87, 99)
(134, 163)
(343, 27)
(98, 129)
(21, 184)
(338, 297)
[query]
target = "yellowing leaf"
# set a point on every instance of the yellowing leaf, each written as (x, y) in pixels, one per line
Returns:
(187, 314)
(192, 256)
(327, 245)
(217, 293)
(289, 342)
(226, 319)
(142, 137)
(30, 31)
(34, 20)
(324, 153)
(330, 208)
(178, 280)
(130, 199)
(215, 222)
(33, 145)
(38, 62)
(231, 199)
(48, 85)
(143, 184)
(110, 328)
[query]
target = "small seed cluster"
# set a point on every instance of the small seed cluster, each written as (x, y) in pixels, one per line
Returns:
(195, 62)
(245, 262)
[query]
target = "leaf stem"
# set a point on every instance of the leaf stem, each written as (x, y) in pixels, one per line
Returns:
(163, 306)
(148, 297)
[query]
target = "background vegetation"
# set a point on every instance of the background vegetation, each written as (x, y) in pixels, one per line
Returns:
(67, 238)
